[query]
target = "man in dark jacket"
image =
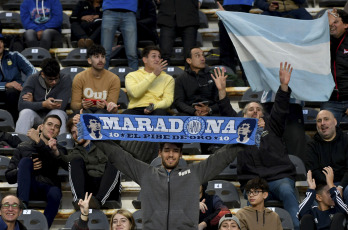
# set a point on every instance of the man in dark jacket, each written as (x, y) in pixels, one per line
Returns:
(12, 65)
(11, 209)
(329, 147)
(177, 17)
(195, 93)
(91, 172)
(268, 158)
(338, 103)
(284, 8)
(34, 166)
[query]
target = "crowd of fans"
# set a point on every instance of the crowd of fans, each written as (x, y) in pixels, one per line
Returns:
(170, 193)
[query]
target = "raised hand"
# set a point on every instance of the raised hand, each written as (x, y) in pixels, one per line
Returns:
(202, 206)
(34, 134)
(329, 174)
(220, 81)
(284, 75)
(310, 180)
(160, 67)
(84, 206)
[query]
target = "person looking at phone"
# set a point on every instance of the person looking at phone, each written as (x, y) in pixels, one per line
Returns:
(284, 8)
(40, 95)
(195, 91)
(34, 166)
(150, 90)
(96, 90)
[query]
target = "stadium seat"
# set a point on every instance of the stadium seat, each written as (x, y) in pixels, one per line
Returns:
(191, 148)
(4, 162)
(35, 55)
(123, 100)
(203, 20)
(209, 4)
(66, 21)
(309, 118)
(212, 57)
(226, 191)
(177, 58)
(76, 57)
(72, 71)
(66, 140)
(285, 218)
(11, 20)
(301, 173)
(33, 220)
(249, 96)
(138, 216)
(174, 71)
(97, 220)
(12, 5)
(6, 121)
(9, 150)
(229, 173)
(122, 72)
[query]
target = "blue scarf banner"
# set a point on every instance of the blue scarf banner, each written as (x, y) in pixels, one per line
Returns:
(184, 129)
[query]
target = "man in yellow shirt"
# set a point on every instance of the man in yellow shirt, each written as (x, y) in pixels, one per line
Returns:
(150, 90)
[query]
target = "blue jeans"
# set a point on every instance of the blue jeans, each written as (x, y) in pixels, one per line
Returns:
(126, 23)
(338, 108)
(30, 188)
(284, 190)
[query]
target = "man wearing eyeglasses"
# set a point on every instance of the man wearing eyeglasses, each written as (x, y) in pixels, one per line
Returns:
(10, 210)
(45, 93)
(195, 91)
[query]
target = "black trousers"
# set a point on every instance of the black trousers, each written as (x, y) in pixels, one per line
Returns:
(338, 222)
(101, 187)
(11, 102)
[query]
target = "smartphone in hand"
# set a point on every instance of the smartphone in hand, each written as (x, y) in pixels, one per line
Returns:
(59, 101)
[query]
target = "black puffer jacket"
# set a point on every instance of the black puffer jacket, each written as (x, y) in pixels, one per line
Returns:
(339, 67)
(271, 160)
(50, 163)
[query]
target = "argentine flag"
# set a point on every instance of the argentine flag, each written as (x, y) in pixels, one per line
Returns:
(262, 42)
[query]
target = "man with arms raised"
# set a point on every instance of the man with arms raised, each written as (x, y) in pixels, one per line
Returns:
(34, 166)
(329, 147)
(268, 158)
(10, 210)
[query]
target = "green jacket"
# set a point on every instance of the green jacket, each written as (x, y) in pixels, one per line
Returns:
(95, 159)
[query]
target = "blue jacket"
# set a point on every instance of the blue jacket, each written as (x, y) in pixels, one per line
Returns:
(238, 2)
(41, 14)
(13, 64)
(131, 5)
(322, 218)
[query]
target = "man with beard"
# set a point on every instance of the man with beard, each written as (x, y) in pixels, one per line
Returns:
(91, 172)
(96, 89)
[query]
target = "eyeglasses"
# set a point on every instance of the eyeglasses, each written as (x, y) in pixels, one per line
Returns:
(50, 80)
(254, 193)
(7, 206)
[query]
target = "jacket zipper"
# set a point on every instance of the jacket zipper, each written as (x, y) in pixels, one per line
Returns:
(168, 175)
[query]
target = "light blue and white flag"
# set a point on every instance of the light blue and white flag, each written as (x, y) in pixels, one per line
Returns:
(262, 42)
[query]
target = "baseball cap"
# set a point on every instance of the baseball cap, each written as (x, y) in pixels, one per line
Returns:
(229, 216)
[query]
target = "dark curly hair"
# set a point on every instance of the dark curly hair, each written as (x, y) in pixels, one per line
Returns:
(50, 67)
(257, 183)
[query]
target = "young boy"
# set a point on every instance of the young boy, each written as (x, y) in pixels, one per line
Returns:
(257, 216)
(331, 210)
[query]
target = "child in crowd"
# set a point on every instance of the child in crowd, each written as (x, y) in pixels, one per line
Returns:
(331, 210)
(229, 222)
(257, 216)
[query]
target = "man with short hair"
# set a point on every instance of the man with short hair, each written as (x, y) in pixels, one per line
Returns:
(195, 91)
(338, 103)
(329, 147)
(12, 65)
(34, 166)
(91, 172)
(10, 210)
(150, 90)
(44, 93)
(284, 8)
(268, 158)
(95, 83)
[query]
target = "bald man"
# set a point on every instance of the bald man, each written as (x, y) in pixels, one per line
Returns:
(329, 147)
(11, 209)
